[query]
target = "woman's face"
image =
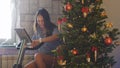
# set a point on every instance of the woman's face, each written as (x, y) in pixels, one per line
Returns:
(40, 21)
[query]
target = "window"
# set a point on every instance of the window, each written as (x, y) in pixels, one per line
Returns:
(6, 24)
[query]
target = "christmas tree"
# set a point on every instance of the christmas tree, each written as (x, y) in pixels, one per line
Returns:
(87, 37)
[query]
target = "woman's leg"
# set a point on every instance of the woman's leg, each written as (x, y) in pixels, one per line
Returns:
(31, 64)
(39, 61)
(44, 61)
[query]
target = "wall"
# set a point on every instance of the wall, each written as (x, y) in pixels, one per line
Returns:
(112, 8)
(28, 9)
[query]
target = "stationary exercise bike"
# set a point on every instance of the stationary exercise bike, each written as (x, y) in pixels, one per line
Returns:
(22, 48)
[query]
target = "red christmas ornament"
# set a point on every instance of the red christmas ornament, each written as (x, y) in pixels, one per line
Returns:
(94, 48)
(59, 21)
(74, 51)
(60, 57)
(64, 19)
(108, 41)
(68, 6)
(85, 9)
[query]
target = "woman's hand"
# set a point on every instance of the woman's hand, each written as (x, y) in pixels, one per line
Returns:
(35, 43)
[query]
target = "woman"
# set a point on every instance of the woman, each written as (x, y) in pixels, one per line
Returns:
(44, 31)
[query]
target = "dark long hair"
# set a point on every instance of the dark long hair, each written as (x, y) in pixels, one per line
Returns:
(47, 21)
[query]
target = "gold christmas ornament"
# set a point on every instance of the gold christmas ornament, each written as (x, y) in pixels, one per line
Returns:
(61, 62)
(70, 25)
(108, 25)
(85, 14)
(82, 1)
(90, 8)
(93, 36)
(103, 14)
(105, 35)
(84, 29)
(88, 58)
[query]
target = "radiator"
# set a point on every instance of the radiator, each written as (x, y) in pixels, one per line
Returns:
(7, 61)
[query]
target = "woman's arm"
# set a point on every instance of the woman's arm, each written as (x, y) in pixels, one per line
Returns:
(46, 39)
